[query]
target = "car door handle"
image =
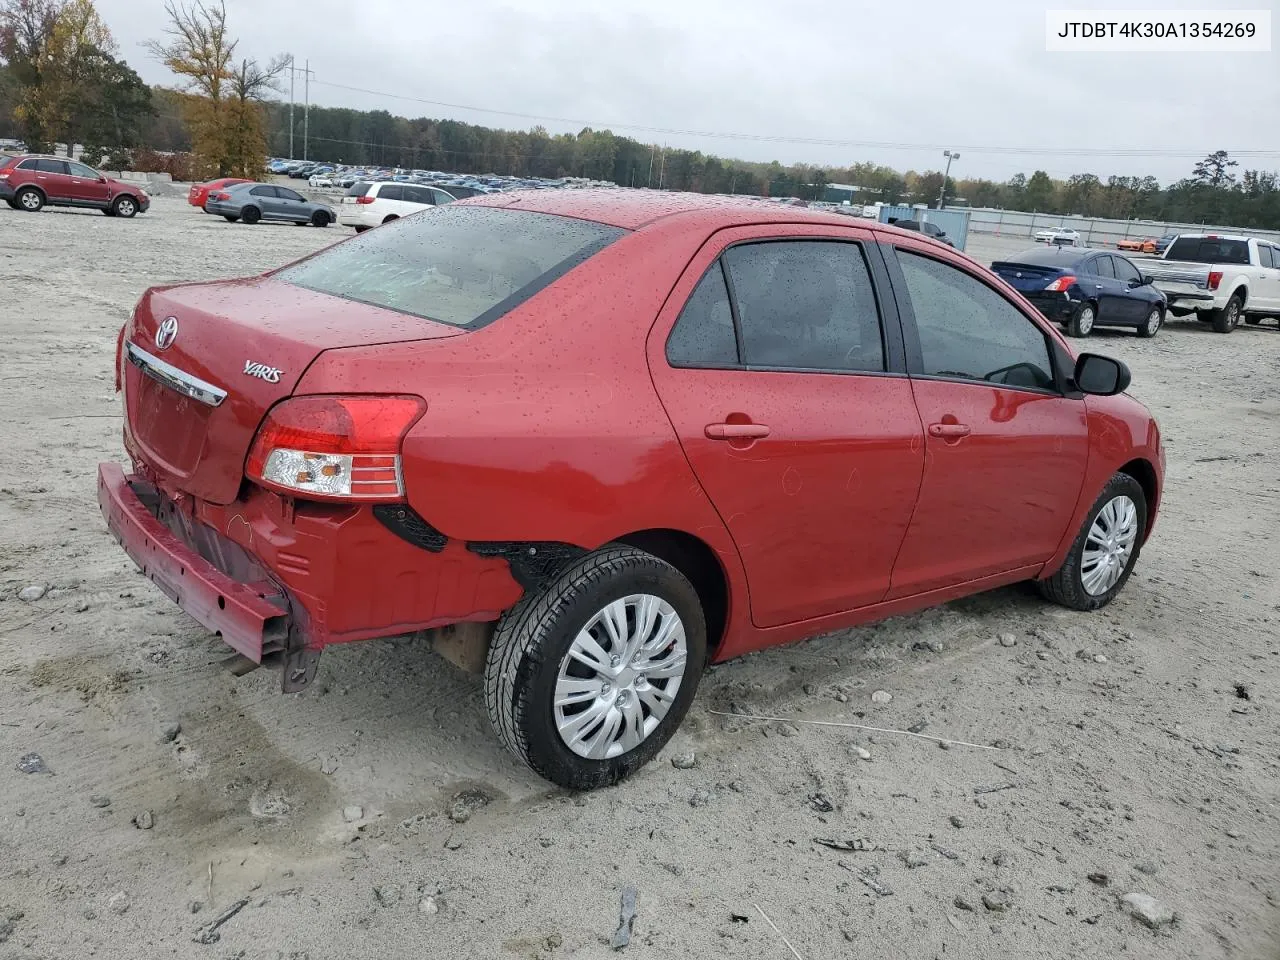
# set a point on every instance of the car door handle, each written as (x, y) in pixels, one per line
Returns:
(948, 430)
(1098, 286)
(736, 431)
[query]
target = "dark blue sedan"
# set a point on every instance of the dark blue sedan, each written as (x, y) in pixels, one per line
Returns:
(1082, 289)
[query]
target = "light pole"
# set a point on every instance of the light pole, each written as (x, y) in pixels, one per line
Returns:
(291, 106)
(943, 192)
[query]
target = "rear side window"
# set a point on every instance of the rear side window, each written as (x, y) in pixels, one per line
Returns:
(464, 266)
(419, 195)
(391, 191)
(1208, 250)
(969, 332)
(1102, 267)
(51, 166)
(358, 189)
(703, 335)
(805, 304)
(264, 192)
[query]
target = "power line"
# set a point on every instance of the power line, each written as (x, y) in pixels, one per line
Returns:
(808, 141)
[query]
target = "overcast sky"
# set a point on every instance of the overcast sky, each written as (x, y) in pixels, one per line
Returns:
(923, 74)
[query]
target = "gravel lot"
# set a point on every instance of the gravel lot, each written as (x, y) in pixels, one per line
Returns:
(1139, 747)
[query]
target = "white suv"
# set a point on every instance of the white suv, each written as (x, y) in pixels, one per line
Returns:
(370, 204)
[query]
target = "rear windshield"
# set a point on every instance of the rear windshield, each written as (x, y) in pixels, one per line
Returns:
(1209, 250)
(464, 266)
(358, 189)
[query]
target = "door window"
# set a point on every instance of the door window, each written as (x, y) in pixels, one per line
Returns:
(263, 191)
(80, 170)
(29, 165)
(703, 335)
(51, 166)
(1266, 256)
(1103, 268)
(419, 195)
(968, 331)
(1125, 270)
(805, 304)
(286, 194)
(391, 191)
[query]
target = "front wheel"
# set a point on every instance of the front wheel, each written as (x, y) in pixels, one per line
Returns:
(1081, 324)
(125, 207)
(230, 217)
(1151, 326)
(1226, 319)
(319, 219)
(1105, 551)
(588, 679)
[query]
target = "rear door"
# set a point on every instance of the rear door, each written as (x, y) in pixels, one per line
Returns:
(391, 200)
(1005, 449)
(86, 186)
(1103, 287)
(1133, 302)
(779, 362)
(265, 198)
(53, 176)
(1268, 294)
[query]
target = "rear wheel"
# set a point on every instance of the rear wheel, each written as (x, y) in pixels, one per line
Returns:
(29, 199)
(389, 217)
(1105, 551)
(125, 207)
(230, 217)
(251, 215)
(588, 679)
(361, 229)
(1081, 325)
(1151, 326)
(1226, 319)
(319, 219)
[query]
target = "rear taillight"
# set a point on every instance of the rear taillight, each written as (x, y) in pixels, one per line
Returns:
(222, 196)
(334, 448)
(120, 358)
(1215, 278)
(1061, 284)
(3, 175)
(364, 199)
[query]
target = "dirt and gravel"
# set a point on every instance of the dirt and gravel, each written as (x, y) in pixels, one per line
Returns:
(173, 810)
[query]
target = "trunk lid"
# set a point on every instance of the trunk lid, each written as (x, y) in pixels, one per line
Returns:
(252, 339)
(1026, 277)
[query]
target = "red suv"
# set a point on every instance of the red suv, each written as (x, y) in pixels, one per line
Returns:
(32, 182)
(593, 440)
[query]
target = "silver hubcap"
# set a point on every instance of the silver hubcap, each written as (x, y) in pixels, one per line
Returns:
(126, 207)
(1233, 313)
(1109, 545)
(1153, 321)
(1086, 319)
(620, 677)
(30, 201)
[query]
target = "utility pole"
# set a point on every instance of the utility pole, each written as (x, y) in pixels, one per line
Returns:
(291, 71)
(662, 167)
(943, 192)
(306, 109)
(653, 148)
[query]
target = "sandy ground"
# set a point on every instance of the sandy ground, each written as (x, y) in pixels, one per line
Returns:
(1139, 746)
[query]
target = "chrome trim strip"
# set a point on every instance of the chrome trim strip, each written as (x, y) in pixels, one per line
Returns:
(175, 379)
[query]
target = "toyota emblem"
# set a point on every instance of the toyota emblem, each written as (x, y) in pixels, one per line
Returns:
(166, 333)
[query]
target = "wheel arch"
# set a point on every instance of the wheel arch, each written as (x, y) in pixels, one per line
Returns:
(699, 563)
(1144, 472)
(44, 194)
(1242, 290)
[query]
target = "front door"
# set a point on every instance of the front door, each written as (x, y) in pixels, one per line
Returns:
(86, 186)
(292, 204)
(791, 405)
(1005, 450)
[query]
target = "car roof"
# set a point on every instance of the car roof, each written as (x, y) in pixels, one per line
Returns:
(1053, 256)
(634, 209)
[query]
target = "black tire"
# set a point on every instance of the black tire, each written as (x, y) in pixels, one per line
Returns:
(1151, 326)
(230, 217)
(29, 200)
(361, 229)
(1065, 587)
(319, 219)
(251, 215)
(1226, 319)
(126, 207)
(1083, 321)
(12, 203)
(533, 638)
(389, 217)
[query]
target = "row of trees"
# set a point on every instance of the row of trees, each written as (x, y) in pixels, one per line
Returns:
(61, 81)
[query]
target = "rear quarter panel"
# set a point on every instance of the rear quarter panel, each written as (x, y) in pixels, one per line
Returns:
(545, 424)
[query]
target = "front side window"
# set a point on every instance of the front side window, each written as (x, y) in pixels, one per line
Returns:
(1125, 270)
(80, 170)
(703, 335)
(464, 266)
(806, 304)
(968, 331)
(1265, 255)
(286, 194)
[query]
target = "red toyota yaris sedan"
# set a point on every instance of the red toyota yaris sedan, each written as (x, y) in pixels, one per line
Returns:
(592, 440)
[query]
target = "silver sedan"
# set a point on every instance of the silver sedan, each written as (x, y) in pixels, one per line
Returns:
(252, 202)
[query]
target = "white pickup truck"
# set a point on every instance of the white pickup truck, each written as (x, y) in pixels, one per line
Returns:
(1218, 277)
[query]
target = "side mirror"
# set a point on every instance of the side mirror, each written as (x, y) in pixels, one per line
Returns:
(1101, 376)
(1147, 279)
(101, 178)
(1137, 282)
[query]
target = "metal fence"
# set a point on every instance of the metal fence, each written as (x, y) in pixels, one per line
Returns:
(1095, 231)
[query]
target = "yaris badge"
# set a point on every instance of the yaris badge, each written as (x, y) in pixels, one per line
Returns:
(262, 371)
(166, 333)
